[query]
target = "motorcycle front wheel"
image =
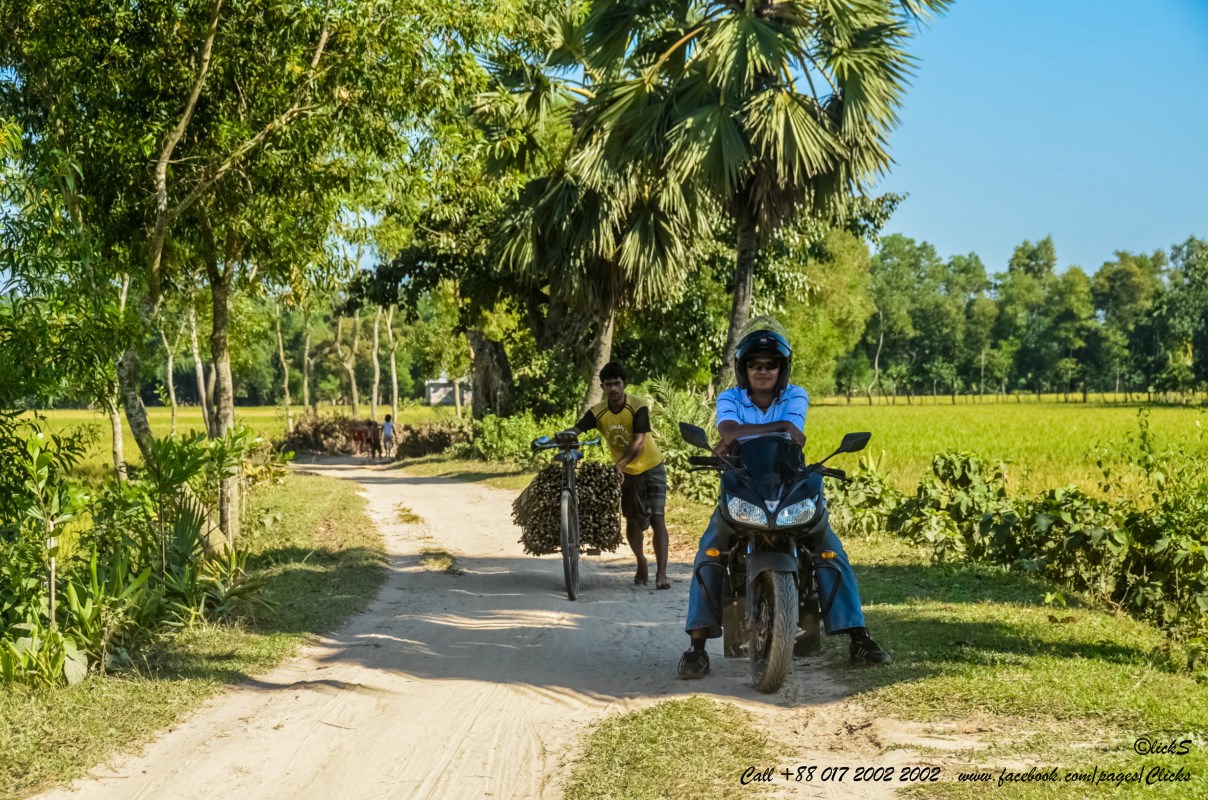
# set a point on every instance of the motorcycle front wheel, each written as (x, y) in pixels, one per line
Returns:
(774, 601)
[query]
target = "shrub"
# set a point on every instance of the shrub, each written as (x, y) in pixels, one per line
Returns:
(412, 441)
(669, 407)
(866, 502)
(1143, 547)
(123, 560)
(321, 435)
(509, 439)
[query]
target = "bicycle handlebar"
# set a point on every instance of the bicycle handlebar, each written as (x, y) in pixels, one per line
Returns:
(546, 443)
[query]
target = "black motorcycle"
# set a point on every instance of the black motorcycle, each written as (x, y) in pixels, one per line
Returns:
(773, 517)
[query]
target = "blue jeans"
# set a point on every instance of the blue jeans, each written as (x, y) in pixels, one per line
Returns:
(844, 613)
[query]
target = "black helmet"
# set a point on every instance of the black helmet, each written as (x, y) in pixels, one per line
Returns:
(767, 343)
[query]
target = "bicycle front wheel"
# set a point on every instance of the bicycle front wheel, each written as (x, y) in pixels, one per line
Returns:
(570, 543)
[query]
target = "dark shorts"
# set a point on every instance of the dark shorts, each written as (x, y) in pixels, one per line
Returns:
(644, 495)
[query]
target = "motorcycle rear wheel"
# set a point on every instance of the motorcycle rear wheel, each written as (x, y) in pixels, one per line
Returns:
(774, 602)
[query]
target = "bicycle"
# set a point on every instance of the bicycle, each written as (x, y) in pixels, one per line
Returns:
(569, 456)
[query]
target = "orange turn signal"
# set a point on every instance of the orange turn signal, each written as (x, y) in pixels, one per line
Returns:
(827, 554)
(713, 552)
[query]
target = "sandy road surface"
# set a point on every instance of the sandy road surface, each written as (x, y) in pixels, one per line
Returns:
(475, 685)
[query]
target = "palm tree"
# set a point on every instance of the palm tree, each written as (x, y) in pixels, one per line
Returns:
(770, 106)
(602, 237)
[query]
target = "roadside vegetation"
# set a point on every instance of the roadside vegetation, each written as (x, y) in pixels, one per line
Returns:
(311, 549)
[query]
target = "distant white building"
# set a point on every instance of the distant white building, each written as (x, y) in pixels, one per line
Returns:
(440, 392)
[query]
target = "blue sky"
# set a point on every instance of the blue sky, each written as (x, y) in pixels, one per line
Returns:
(1083, 119)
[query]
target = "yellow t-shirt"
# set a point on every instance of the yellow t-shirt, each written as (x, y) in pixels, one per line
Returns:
(618, 429)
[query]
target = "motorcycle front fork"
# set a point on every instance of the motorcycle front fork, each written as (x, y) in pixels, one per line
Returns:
(736, 638)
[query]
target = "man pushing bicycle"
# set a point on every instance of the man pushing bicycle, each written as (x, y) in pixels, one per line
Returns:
(624, 422)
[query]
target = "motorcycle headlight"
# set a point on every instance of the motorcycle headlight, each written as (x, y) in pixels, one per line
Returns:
(749, 513)
(797, 513)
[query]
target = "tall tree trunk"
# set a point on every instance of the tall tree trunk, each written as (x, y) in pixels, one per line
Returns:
(392, 344)
(115, 406)
(876, 365)
(492, 375)
(200, 372)
(349, 361)
(129, 381)
(289, 414)
(981, 384)
(224, 400)
(119, 446)
(223, 396)
(170, 375)
(129, 376)
(603, 354)
(744, 288)
(307, 365)
(377, 367)
(212, 392)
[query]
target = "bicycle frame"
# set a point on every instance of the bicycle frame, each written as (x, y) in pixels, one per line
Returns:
(569, 456)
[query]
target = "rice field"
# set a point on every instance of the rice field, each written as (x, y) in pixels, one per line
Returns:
(267, 421)
(1046, 443)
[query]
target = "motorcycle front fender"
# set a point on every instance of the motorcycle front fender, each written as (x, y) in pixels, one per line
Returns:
(765, 561)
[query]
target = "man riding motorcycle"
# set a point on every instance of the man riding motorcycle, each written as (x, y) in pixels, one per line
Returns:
(765, 402)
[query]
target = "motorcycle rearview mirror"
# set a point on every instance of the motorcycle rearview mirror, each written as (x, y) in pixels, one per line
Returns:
(854, 442)
(694, 435)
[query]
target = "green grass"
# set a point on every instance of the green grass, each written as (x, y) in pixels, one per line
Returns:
(435, 560)
(268, 421)
(315, 545)
(1066, 687)
(1046, 442)
(686, 749)
(406, 516)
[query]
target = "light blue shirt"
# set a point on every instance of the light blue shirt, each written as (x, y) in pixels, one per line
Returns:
(735, 405)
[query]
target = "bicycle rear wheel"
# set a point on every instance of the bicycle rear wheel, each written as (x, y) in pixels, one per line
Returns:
(570, 543)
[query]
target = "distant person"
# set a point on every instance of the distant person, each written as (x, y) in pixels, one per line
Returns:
(373, 437)
(388, 436)
(358, 438)
(624, 422)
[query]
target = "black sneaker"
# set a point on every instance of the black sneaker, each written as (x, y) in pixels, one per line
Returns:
(865, 651)
(693, 664)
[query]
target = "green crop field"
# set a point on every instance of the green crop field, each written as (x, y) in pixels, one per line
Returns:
(1047, 443)
(268, 421)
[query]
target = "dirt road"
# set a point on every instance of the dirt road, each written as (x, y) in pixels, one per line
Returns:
(470, 685)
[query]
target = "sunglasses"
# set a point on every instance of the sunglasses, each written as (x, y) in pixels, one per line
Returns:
(763, 366)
